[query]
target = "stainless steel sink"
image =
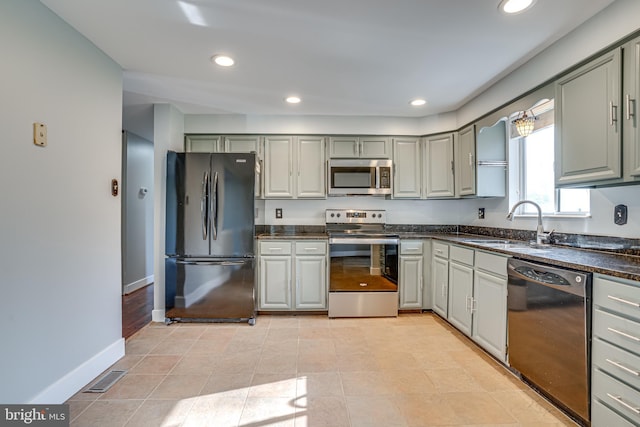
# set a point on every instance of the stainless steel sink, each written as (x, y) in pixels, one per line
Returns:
(518, 246)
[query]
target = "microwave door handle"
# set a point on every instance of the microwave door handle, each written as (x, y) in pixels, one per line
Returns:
(377, 173)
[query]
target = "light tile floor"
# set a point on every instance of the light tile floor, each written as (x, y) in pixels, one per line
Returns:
(414, 370)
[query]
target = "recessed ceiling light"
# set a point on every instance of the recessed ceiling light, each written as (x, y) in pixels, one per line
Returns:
(515, 6)
(293, 99)
(223, 60)
(417, 102)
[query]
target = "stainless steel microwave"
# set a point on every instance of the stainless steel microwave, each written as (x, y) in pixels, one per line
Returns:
(359, 176)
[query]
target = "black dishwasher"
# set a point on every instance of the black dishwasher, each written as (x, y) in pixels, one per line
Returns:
(549, 332)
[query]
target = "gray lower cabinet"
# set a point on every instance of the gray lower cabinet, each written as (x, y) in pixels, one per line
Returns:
(292, 275)
(489, 304)
(615, 366)
(410, 274)
(440, 277)
(470, 292)
(460, 288)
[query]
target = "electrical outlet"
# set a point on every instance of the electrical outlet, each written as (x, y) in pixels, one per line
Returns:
(480, 213)
(620, 214)
(279, 213)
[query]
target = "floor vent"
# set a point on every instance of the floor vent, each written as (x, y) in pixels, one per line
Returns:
(105, 383)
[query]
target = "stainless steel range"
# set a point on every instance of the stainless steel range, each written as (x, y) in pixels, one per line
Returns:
(364, 264)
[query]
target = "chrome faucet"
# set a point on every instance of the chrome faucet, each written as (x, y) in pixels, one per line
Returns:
(541, 236)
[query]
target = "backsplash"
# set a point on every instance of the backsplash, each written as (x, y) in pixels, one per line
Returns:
(619, 245)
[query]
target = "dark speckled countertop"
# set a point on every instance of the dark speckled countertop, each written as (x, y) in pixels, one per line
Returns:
(604, 262)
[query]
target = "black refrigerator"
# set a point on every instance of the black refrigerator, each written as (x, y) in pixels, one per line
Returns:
(210, 231)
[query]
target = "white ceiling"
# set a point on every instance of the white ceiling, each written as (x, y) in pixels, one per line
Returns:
(342, 57)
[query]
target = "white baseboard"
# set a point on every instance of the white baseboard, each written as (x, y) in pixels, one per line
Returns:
(158, 315)
(134, 286)
(74, 381)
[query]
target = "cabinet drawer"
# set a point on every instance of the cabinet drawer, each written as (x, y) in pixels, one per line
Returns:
(410, 247)
(621, 364)
(460, 254)
(617, 330)
(617, 395)
(616, 296)
(603, 416)
(440, 249)
(311, 248)
(492, 263)
(275, 247)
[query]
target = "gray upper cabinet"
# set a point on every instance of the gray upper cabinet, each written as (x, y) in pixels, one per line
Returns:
(202, 143)
(311, 167)
(631, 94)
(587, 119)
(278, 167)
(406, 168)
(242, 144)
(466, 162)
(439, 166)
(366, 147)
(491, 163)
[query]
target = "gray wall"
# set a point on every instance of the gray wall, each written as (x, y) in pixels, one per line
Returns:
(137, 212)
(60, 310)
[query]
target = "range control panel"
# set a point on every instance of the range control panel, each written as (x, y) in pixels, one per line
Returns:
(349, 216)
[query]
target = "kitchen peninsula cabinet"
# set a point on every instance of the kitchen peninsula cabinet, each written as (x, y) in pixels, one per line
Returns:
(292, 275)
(294, 167)
(587, 123)
(366, 147)
(406, 168)
(410, 274)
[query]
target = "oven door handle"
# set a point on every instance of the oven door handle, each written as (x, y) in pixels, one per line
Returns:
(363, 241)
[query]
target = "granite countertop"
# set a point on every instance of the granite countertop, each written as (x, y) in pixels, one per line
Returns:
(612, 264)
(609, 263)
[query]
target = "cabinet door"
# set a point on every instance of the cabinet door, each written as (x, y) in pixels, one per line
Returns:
(375, 147)
(311, 282)
(440, 282)
(410, 278)
(587, 123)
(278, 179)
(439, 167)
(406, 168)
(311, 181)
(631, 91)
(460, 296)
(201, 144)
(466, 164)
(275, 282)
(490, 313)
(242, 144)
(344, 146)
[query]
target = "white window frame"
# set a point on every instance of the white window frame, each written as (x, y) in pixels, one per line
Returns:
(517, 181)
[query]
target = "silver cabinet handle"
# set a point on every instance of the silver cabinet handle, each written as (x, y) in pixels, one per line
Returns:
(624, 368)
(624, 301)
(471, 159)
(631, 106)
(615, 331)
(612, 113)
(625, 404)
(275, 249)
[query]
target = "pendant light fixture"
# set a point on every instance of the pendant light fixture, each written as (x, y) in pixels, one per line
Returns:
(524, 124)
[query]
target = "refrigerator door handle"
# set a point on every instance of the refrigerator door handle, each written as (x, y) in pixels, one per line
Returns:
(203, 206)
(214, 208)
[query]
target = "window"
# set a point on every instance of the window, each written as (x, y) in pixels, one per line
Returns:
(533, 157)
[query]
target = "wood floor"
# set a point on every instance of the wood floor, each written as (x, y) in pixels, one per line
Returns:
(136, 310)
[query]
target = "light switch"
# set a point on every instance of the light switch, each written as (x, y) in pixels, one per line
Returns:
(40, 134)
